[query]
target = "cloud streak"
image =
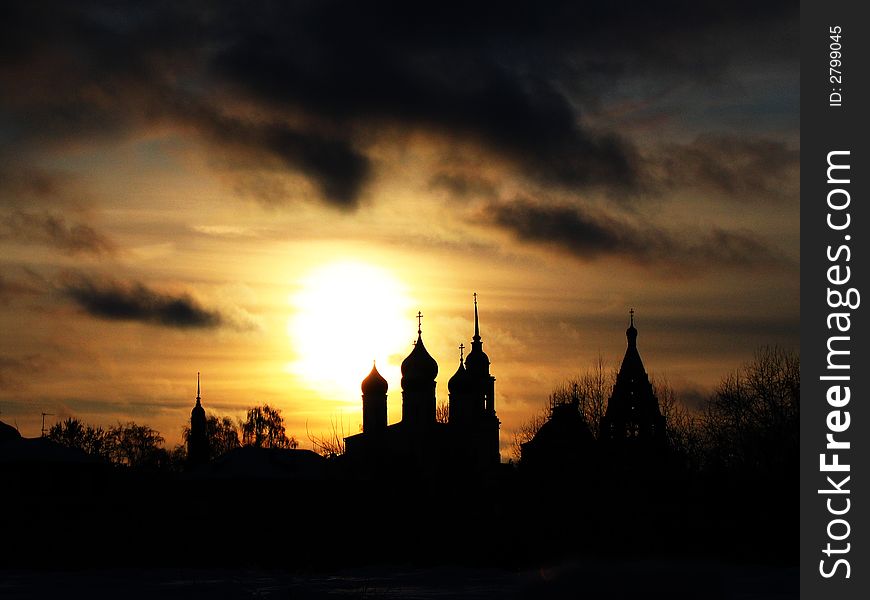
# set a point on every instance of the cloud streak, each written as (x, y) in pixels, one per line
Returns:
(14, 371)
(739, 169)
(115, 301)
(581, 234)
(52, 230)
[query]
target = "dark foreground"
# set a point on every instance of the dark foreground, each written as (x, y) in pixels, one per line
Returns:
(608, 534)
(590, 579)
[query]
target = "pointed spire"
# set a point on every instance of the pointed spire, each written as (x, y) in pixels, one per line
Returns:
(197, 388)
(476, 337)
(631, 316)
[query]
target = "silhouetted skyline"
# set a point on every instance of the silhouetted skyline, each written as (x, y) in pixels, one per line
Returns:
(268, 194)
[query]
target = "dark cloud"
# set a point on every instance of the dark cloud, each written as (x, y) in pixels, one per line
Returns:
(589, 236)
(741, 169)
(51, 230)
(472, 96)
(333, 165)
(312, 85)
(113, 300)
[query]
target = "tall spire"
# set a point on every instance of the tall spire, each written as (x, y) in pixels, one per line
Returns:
(477, 361)
(197, 442)
(476, 337)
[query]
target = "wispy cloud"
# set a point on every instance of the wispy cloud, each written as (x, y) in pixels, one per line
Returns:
(736, 168)
(588, 236)
(15, 370)
(51, 230)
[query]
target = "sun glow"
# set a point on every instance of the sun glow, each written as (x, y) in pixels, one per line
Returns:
(346, 315)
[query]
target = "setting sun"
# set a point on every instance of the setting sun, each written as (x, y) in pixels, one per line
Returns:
(345, 315)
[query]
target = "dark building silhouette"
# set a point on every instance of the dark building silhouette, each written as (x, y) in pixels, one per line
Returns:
(419, 371)
(633, 418)
(472, 404)
(197, 442)
(632, 424)
(418, 443)
(563, 443)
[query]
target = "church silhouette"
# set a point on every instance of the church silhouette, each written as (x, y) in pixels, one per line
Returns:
(633, 416)
(631, 431)
(468, 442)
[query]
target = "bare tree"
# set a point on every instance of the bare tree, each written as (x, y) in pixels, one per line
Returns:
(332, 443)
(682, 427)
(72, 433)
(125, 444)
(589, 392)
(263, 427)
(751, 421)
(442, 412)
(136, 446)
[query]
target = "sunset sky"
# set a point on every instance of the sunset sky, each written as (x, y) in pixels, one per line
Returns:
(268, 192)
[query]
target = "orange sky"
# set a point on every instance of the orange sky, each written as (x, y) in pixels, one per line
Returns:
(169, 205)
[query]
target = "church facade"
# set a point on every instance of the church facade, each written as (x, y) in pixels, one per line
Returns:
(419, 443)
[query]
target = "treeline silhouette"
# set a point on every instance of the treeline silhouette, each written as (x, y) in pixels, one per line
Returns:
(749, 424)
(139, 447)
(726, 487)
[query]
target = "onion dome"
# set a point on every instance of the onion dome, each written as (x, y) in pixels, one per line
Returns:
(477, 360)
(419, 365)
(374, 383)
(632, 366)
(458, 384)
(631, 332)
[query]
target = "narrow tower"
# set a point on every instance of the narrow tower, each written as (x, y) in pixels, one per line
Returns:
(458, 390)
(197, 441)
(479, 398)
(374, 398)
(477, 364)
